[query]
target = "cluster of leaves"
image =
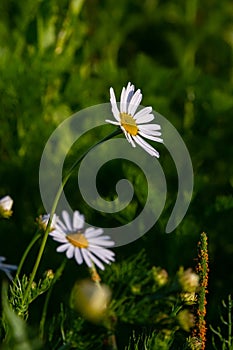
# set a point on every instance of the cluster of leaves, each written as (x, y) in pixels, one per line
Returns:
(148, 302)
(145, 307)
(224, 333)
(17, 292)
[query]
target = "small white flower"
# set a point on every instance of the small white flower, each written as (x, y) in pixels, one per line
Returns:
(6, 202)
(135, 125)
(44, 219)
(85, 245)
(7, 268)
(5, 206)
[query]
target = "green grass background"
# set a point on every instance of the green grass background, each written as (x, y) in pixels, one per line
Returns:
(59, 57)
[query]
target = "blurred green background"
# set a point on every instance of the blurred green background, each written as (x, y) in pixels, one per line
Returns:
(59, 57)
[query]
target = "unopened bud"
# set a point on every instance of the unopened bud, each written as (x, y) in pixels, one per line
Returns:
(91, 299)
(160, 276)
(186, 320)
(188, 280)
(50, 274)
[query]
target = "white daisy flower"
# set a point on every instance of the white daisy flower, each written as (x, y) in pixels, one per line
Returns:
(7, 268)
(85, 245)
(135, 125)
(5, 206)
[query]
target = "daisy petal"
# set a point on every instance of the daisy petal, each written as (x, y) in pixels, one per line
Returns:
(78, 220)
(126, 95)
(128, 137)
(115, 109)
(100, 251)
(7, 268)
(102, 242)
(59, 239)
(122, 100)
(142, 112)
(100, 257)
(86, 257)
(112, 122)
(7, 272)
(91, 232)
(131, 140)
(151, 129)
(129, 96)
(146, 118)
(63, 247)
(57, 233)
(78, 256)
(153, 138)
(148, 148)
(129, 92)
(135, 102)
(67, 220)
(70, 252)
(60, 226)
(126, 134)
(11, 267)
(96, 261)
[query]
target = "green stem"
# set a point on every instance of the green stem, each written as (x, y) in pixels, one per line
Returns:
(45, 307)
(229, 321)
(57, 197)
(108, 323)
(37, 236)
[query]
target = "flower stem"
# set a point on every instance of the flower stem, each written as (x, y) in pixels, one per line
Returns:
(95, 277)
(33, 241)
(109, 321)
(230, 322)
(55, 203)
(57, 275)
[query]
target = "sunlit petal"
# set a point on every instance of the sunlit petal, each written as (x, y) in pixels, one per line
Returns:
(66, 218)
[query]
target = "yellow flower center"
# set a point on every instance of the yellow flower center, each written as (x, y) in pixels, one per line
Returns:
(129, 124)
(77, 239)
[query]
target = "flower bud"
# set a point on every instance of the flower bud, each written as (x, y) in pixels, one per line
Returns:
(188, 280)
(44, 219)
(160, 276)
(136, 289)
(5, 207)
(90, 299)
(49, 274)
(186, 320)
